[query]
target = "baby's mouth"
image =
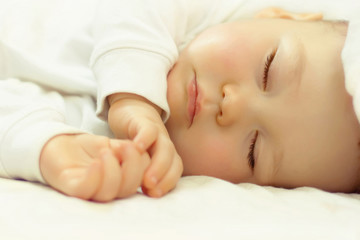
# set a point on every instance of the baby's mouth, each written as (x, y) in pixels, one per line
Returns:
(192, 102)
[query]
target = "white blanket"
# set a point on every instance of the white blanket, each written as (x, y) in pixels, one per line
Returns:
(199, 208)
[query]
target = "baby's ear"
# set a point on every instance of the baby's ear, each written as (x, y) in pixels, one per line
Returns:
(274, 12)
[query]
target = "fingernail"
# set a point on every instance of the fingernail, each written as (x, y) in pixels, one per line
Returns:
(141, 146)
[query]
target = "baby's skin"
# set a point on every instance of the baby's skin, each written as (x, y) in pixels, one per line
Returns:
(93, 167)
(101, 169)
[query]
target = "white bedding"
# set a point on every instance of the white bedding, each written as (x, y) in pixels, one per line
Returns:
(199, 208)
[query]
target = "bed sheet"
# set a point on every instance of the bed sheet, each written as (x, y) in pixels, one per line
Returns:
(199, 208)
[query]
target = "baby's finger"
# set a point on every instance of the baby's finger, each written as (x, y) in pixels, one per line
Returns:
(162, 158)
(169, 181)
(145, 137)
(133, 167)
(81, 182)
(111, 179)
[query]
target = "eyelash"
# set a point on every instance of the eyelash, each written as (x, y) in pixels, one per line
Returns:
(268, 62)
(251, 158)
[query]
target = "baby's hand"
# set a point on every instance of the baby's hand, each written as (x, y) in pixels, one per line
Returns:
(138, 120)
(93, 167)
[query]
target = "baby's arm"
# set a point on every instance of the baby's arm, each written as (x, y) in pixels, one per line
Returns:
(133, 117)
(93, 167)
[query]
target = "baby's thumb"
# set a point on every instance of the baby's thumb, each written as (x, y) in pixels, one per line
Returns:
(145, 138)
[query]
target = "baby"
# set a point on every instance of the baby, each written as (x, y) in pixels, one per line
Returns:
(264, 101)
(260, 101)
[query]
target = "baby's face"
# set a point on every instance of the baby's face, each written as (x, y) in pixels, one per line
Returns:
(263, 101)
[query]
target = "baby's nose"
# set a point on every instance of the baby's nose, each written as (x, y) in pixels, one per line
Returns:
(233, 107)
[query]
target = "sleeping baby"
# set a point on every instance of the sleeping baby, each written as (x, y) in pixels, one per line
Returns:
(264, 101)
(259, 100)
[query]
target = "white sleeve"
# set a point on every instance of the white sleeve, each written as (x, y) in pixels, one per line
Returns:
(22, 140)
(30, 116)
(136, 43)
(351, 62)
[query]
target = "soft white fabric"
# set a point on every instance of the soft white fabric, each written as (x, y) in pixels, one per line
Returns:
(351, 60)
(200, 208)
(41, 43)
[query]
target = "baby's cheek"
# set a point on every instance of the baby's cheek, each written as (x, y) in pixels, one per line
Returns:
(218, 153)
(222, 160)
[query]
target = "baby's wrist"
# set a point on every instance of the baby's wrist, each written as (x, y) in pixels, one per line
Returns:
(127, 108)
